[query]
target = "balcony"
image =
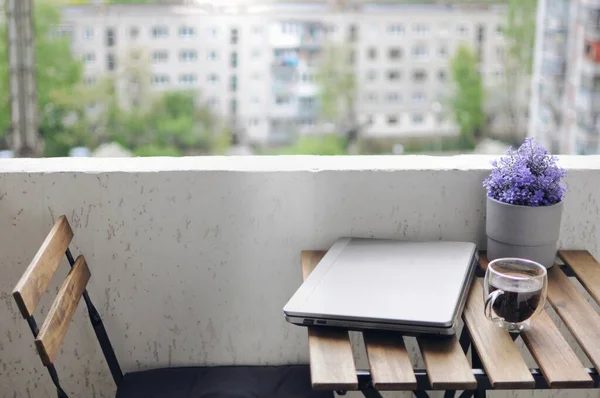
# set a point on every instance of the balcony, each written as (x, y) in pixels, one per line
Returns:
(192, 259)
(553, 64)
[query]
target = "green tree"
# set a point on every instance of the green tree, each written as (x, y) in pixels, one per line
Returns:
(519, 32)
(466, 101)
(337, 84)
(57, 76)
(327, 144)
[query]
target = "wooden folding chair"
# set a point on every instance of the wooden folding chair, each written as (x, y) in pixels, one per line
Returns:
(34, 283)
(182, 382)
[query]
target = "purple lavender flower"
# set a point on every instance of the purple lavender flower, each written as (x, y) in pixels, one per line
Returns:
(528, 176)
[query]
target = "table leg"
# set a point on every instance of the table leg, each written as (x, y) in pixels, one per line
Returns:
(466, 394)
(464, 339)
(480, 393)
(421, 394)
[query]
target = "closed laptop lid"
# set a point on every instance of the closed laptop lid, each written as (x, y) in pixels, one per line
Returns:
(387, 281)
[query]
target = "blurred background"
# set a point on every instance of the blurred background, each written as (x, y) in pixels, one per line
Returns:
(114, 78)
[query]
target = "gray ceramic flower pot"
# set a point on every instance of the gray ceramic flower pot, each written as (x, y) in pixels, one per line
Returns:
(523, 231)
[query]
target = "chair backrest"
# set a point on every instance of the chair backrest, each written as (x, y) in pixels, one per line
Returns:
(33, 285)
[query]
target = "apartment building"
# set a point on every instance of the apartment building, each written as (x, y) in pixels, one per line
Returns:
(565, 101)
(256, 63)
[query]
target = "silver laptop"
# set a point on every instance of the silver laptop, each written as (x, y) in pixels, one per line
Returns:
(412, 287)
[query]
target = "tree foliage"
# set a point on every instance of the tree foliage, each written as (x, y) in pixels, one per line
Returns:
(57, 74)
(467, 100)
(337, 84)
(328, 144)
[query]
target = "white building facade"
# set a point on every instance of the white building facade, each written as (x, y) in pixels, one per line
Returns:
(256, 64)
(565, 101)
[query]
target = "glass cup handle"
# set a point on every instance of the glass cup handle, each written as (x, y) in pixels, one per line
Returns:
(489, 303)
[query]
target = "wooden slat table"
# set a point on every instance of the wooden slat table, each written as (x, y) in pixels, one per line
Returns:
(496, 363)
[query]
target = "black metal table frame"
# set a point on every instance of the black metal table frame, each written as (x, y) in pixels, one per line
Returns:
(365, 382)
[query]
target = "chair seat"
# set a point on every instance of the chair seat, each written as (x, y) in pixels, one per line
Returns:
(221, 382)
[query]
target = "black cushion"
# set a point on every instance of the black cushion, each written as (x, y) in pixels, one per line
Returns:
(221, 382)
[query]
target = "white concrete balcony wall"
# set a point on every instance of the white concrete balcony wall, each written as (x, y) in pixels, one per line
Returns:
(192, 259)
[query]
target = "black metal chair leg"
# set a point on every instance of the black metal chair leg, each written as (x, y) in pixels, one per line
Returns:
(467, 394)
(480, 393)
(450, 394)
(421, 394)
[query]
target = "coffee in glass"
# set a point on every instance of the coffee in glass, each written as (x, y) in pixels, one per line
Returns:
(514, 292)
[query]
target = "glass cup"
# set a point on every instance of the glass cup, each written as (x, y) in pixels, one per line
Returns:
(514, 290)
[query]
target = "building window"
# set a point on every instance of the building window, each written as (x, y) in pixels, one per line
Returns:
(500, 54)
(352, 33)
(233, 84)
(307, 78)
(443, 51)
(212, 78)
(282, 100)
(111, 63)
(211, 55)
(392, 120)
(88, 33)
(480, 33)
(234, 36)
(393, 75)
(418, 119)
(372, 53)
(160, 56)
(499, 31)
(212, 32)
(134, 32)
(255, 53)
(463, 30)
(213, 103)
(442, 75)
(421, 29)
(187, 31)
(419, 76)
(395, 29)
(234, 59)
(371, 75)
(187, 79)
(110, 37)
(159, 32)
(418, 97)
(160, 80)
(89, 58)
(371, 98)
(393, 97)
(188, 55)
(395, 53)
(89, 80)
(420, 51)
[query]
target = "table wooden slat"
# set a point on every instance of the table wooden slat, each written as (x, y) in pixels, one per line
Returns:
(500, 357)
(587, 269)
(579, 316)
(557, 361)
(331, 360)
(389, 362)
(447, 365)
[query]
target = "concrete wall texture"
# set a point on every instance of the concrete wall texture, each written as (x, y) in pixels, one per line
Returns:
(193, 259)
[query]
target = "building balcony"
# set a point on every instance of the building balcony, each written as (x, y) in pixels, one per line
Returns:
(553, 64)
(588, 101)
(192, 259)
